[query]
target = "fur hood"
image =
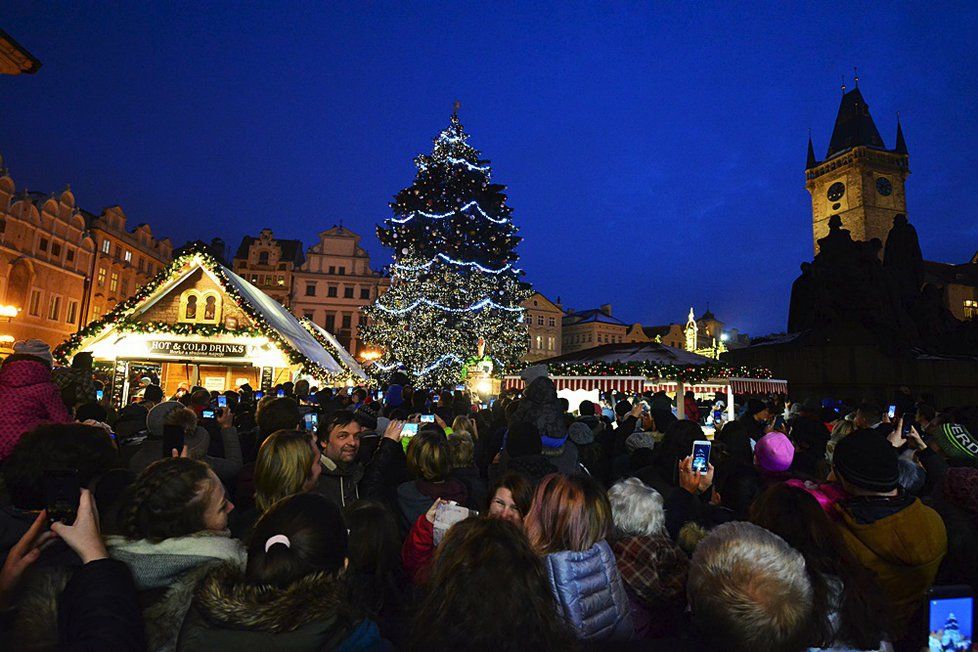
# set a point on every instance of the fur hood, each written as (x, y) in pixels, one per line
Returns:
(225, 599)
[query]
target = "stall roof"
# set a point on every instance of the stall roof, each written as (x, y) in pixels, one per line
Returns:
(342, 353)
(651, 352)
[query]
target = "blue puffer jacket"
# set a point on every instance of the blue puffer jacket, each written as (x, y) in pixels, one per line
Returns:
(590, 594)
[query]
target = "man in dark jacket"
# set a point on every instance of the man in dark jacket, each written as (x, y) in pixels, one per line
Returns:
(810, 436)
(344, 480)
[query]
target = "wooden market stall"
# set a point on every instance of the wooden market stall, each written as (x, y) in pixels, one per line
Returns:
(199, 323)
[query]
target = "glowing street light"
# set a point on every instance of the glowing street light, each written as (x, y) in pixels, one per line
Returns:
(8, 312)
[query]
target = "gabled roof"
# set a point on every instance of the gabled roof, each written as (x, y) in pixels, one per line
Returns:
(291, 249)
(652, 331)
(651, 352)
(589, 316)
(280, 325)
(14, 57)
(854, 126)
(543, 302)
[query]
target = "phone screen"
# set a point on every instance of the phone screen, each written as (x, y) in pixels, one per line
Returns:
(951, 623)
(99, 394)
(61, 494)
(701, 456)
(427, 418)
(311, 420)
(172, 439)
(280, 393)
(409, 430)
(259, 395)
(891, 412)
(207, 414)
(222, 401)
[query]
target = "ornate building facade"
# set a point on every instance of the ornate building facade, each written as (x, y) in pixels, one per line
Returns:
(587, 329)
(124, 260)
(269, 263)
(334, 283)
(544, 321)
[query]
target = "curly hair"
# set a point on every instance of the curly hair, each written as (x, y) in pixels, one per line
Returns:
(87, 449)
(282, 466)
(167, 500)
(512, 609)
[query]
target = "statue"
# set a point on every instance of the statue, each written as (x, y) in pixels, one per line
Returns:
(902, 255)
(804, 301)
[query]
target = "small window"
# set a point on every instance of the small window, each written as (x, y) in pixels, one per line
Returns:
(550, 343)
(106, 246)
(54, 308)
(330, 322)
(332, 269)
(347, 319)
(96, 311)
(72, 312)
(263, 258)
(310, 289)
(364, 293)
(114, 282)
(551, 321)
(190, 312)
(971, 309)
(309, 314)
(331, 291)
(127, 256)
(70, 255)
(140, 263)
(342, 270)
(281, 281)
(124, 287)
(3, 225)
(348, 292)
(35, 305)
(539, 320)
(210, 308)
(43, 245)
(539, 342)
(55, 248)
(101, 277)
(254, 279)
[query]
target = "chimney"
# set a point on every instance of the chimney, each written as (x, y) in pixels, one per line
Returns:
(606, 309)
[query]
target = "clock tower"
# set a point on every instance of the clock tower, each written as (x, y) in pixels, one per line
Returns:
(860, 180)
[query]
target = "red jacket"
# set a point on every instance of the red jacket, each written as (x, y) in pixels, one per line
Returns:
(28, 398)
(418, 549)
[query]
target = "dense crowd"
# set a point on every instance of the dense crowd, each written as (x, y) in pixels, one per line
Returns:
(304, 518)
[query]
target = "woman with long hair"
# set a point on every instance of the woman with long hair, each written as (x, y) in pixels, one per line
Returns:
(848, 611)
(291, 594)
(174, 528)
(429, 461)
(567, 525)
(488, 589)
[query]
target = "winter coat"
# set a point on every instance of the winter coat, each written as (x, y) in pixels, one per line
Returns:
(313, 613)
(416, 497)
(418, 550)
(475, 487)
(166, 574)
(541, 407)
(29, 398)
(377, 480)
(564, 458)
(903, 549)
(534, 467)
(226, 468)
(589, 593)
(98, 610)
(654, 572)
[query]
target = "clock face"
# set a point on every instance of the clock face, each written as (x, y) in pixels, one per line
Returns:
(883, 186)
(836, 190)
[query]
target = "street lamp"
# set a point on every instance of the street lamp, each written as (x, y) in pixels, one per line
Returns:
(370, 355)
(8, 312)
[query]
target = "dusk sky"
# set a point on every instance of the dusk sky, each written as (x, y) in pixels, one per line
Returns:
(653, 152)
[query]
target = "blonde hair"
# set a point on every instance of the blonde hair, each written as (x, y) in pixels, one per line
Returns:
(282, 467)
(463, 424)
(462, 449)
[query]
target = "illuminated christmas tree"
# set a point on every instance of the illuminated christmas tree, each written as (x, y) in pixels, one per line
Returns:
(454, 278)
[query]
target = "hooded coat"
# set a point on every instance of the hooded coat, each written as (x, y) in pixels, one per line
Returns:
(903, 550)
(313, 613)
(29, 398)
(541, 407)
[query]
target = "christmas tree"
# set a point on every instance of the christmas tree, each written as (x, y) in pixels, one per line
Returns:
(454, 280)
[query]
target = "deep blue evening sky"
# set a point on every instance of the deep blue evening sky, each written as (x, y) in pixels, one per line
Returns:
(654, 153)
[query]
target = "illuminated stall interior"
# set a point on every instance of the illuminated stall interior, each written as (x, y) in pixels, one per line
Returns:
(199, 323)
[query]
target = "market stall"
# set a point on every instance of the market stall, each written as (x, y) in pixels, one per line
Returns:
(199, 323)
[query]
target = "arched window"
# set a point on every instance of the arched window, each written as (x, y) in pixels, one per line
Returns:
(18, 283)
(263, 258)
(210, 308)
(190, 314)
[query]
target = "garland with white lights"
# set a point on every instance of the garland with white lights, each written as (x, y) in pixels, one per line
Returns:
(478, 305)
(461, 263)
(441, 216)
(683, 373)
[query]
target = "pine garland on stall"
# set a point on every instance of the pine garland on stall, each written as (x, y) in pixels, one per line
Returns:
(683, 373)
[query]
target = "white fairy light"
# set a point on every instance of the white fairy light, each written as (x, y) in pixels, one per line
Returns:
(441, 216)
(478, 305)
(449, 259)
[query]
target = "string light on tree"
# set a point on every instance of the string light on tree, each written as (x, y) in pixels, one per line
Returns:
(454, 278)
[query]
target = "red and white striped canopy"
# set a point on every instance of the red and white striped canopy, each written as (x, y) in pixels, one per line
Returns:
(638, 384)
(755, 386)
(626, 384)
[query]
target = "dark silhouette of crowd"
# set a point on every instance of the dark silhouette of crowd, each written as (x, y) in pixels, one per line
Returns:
(402, 518)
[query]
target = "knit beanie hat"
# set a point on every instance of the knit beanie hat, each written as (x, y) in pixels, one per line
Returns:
(622, 408)
(961, 487)
(367, 414)
(774, 452)
(586, 409)
(36, 348)
(153, 393)
(394, 397)
(638, 440)
(866, 459)
(523, 438)
(580, 433)
(956, 442)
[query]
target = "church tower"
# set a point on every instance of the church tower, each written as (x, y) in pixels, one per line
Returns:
(860, 180)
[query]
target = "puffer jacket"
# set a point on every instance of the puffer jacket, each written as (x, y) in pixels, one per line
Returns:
(589, 593)
(29, 398)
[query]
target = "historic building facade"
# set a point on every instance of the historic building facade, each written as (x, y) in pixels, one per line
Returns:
(124, 260)
(46, 257)
(544, 321)
(334, 283)
(586, 329)
(269, 263)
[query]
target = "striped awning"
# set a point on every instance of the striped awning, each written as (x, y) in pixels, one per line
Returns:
(639, 384)
(626, 384)
(758, 386)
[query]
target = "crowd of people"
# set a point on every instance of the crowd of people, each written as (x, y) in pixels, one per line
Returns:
(411, 519)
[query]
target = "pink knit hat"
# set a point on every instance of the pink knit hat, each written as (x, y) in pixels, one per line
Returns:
(774, 452)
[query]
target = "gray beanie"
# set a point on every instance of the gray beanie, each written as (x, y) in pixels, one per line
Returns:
(198, 442)
(36, 348)
(580, 433)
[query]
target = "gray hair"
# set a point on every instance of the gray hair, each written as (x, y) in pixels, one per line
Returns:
(636, 509)
(750, 589)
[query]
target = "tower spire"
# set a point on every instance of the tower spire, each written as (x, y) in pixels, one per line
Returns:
(843, 84)
(812, 161)
(855, 76)
(901, 144)
(455, 108)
